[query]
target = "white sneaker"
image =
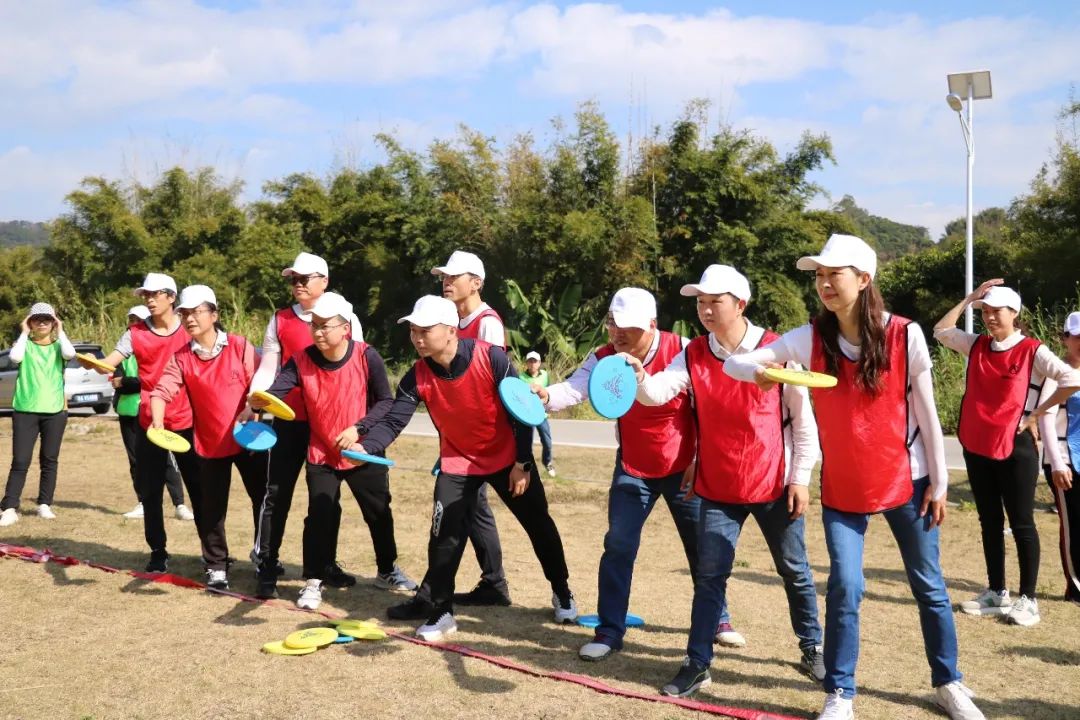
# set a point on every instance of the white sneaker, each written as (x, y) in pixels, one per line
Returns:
(551, 470)
(729, 636)
(310, 595)
(1025, 612)
(596, 649)
(9, 517)
(44, 511)
(989, 602)
(564, 613)
(837, 707)
(955, 699)
(135, 513)
(435, 629)
(183, 513)
(217, 580)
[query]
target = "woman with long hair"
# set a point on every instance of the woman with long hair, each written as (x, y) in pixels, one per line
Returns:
(882, 453)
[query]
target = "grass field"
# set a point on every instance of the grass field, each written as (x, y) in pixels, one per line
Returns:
(80, 643)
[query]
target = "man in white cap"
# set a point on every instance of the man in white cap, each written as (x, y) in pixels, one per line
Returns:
(656, 447)
(479, 443)
(126, 403)
(755, 452)
(153, 342)
(536, 375)
(343, 392)
(288, 333)
(462, 279)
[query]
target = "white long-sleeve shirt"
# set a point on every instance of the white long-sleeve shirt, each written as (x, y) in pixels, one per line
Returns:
(1052, 428)
(801, 450)
(271, 348)
(926, 443)
(18, 350)
(575, 389)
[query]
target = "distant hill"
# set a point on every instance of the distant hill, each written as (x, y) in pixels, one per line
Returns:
(22, 232)
(890, 238)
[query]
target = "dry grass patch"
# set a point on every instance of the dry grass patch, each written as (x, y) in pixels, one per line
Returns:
(82, 643)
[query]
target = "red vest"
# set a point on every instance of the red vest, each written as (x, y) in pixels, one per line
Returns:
(294, 334)
(472, 330)
(995, 395)
(335, 401)
(740, 431)
(152, 353)
(657, 440)
(475, 436)
(217, 389)
(865, 465)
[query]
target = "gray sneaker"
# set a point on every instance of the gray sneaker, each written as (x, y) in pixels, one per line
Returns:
(396, 579)
(692, 676)
(813, 662)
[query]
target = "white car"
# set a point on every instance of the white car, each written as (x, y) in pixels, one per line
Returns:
(82, 388)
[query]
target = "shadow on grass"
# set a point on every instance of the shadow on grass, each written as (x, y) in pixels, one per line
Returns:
(1020, 708)
(239, 615)
(1052, 656)
(59, 574)
(79, 505)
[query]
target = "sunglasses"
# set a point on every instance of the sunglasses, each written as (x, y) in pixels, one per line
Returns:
(41, 319)
(303, 279)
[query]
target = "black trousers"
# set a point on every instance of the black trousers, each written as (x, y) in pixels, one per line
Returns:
(129, 433)
(1008, 483)
(455, 498)
(25, 429)
(284, 463)
(370, 485)
(215, 477)
(1068, 507)
(151, 467)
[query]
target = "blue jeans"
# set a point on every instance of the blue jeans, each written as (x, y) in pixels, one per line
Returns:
(545, 442)
(918, 543)
(630, 501)
(718, 534)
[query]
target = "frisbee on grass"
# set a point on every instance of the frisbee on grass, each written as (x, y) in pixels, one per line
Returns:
(340, 622)
(361, 632)
(591, 621)
(521, 402)
(805, 378)
(277, 407)
(612, 387)
(91, 360)
(255, 436)
(342, 639)
(279, 648)
(168, 440)
(312, 637)
(364, 457)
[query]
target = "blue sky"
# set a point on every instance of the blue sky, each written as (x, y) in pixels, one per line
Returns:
(261, 89)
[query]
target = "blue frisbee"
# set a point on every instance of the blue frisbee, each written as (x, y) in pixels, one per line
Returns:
(255, 436)
(342, 639)
(591, 621)
(521, 402)
(612, 387)
(364, 457)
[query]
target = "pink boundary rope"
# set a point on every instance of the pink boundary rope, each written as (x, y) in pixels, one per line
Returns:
(43, 556)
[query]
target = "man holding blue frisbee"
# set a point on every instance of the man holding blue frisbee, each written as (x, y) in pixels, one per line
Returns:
(479, 443)
(656, 448)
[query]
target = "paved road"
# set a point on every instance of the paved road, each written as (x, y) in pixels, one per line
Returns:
(601, 434)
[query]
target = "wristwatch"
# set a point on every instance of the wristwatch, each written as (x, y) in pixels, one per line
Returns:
(525, 466)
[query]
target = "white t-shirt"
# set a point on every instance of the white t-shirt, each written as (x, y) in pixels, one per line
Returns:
(491, 328)
(271, 349)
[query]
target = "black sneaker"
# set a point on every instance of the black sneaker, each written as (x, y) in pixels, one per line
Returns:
(415, 608)
(338, 578)
(279, 569)
(485, 594)
(692, 676)
(813, 662)
(159, 562)
(266, 585)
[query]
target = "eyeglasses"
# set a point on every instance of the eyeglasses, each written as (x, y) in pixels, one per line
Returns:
(323, 329)
(185, 312)
(147, 294)
(41, 319)
(303, 279)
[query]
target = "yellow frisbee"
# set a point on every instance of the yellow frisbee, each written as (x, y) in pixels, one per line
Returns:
(311, 638)
(91, 360)
(167, 439)
(277, 407)
(279, 648)
(806, 378)
(349, 622)
(361, 632)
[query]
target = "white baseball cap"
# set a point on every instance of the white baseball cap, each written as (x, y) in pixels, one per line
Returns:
(155, 282)
(432, 310)
(461, 262)
(842, 251)
(999, 296)
(331, 305)
(193, 296)
(307, 264)
(1072, 324)
(533, 355)
(633, 307)
(42, 309)
(140, 311)
(717, 280)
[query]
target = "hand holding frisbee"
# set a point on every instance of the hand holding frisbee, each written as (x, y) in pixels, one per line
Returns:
(358, 456)
(90, 362)
(254, 436)
(612, 387)
(168, 440)
(804, 378)
(262, 400)
(521, 402)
